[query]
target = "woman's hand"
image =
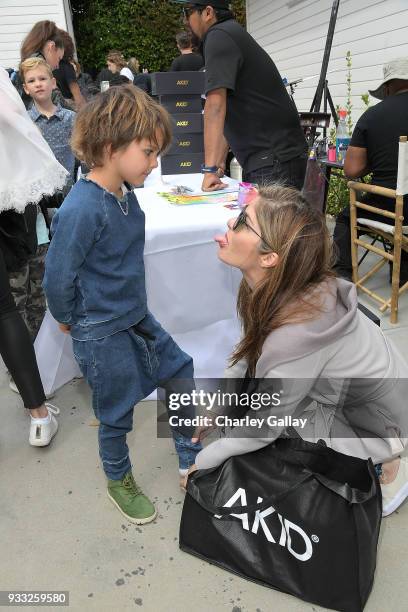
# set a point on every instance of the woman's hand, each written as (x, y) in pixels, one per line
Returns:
(203, 431)
(192, 468)
(64, 328)
(183, 481)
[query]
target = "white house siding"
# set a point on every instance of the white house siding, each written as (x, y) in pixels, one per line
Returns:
(294, 35)
(17, 17)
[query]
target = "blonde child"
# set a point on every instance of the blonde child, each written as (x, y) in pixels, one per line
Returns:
(54, 122)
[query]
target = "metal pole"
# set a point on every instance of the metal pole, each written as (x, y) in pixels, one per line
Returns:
(317, 100)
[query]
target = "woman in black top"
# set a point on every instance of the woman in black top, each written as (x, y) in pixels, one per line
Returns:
(65, 74)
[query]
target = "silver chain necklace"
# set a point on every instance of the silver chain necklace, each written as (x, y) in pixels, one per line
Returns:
(125, 210)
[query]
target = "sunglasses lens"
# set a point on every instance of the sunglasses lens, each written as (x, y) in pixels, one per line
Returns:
(240, 220)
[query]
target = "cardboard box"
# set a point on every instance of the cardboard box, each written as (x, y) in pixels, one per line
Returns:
(182, 104)
(182, 164)
(184, 144)
(176, 83)
(188, 123)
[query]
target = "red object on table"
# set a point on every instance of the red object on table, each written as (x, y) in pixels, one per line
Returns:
(331, 154)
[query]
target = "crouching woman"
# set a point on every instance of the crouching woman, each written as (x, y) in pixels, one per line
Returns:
(301, 326)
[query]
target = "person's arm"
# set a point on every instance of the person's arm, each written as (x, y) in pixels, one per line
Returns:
(219, 451)
(68, 76)
(214, 141)
(74, 232)
(293, 392)
(222, 163)
(356, 162)
(76, 94)
(223, 61)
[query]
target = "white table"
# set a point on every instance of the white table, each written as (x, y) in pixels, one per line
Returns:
(190, 292)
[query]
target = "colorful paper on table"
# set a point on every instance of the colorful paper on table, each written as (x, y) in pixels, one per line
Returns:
(228, 189)
(210, 198)
(195, 190)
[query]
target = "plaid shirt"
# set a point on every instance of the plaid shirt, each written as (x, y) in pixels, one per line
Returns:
(57, 132)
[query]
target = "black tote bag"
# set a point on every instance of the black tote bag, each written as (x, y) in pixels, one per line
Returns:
(295, 516)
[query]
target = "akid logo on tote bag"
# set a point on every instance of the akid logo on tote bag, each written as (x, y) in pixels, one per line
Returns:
(285, 527)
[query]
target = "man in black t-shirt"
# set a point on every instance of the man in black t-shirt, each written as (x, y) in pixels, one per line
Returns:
(247, 105)
(187, 60)
(374, 149)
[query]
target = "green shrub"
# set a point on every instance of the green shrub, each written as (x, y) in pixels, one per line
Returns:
(145, 29)
(338, 194)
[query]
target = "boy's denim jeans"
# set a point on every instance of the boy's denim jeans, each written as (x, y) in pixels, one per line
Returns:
(121, 370)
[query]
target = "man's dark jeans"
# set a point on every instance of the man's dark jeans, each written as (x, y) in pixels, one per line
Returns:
(290, 173)
(342, 235)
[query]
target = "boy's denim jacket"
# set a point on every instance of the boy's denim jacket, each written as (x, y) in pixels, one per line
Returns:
(94, 271)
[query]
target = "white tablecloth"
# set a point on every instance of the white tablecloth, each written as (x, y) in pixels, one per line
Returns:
(190, 292)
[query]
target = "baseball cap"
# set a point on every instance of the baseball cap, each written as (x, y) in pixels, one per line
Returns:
(219, 4)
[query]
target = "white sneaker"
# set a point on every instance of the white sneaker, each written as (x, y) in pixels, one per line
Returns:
(395, 492)
(43, 430)
(13, 387)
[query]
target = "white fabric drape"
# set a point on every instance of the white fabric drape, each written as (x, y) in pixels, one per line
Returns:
(28, 167)
(402, 179)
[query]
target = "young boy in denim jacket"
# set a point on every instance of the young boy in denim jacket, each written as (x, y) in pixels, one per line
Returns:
(95, 280)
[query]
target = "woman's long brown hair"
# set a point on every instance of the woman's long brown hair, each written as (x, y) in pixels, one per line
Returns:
(69, 48)
(38, 36)
(299, 235)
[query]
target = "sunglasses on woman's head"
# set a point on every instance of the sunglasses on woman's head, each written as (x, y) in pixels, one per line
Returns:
(242, 220)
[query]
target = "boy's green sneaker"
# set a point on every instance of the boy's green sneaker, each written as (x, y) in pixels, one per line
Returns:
(129, 499)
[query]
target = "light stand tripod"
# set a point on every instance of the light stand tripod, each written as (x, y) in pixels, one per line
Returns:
(322, 87)
(314, 118)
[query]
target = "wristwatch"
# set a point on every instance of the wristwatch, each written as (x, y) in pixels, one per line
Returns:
(208, 169)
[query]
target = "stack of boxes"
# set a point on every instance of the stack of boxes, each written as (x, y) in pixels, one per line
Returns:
(180, 93)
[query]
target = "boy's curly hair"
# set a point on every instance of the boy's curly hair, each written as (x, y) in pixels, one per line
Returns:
(117, 117)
